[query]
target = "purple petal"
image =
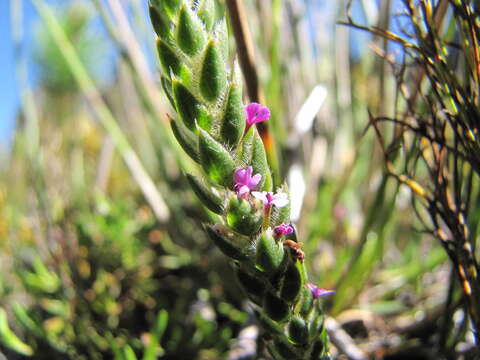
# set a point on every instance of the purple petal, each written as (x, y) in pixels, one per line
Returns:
(251, 110)
(254, 181)
(279, 200)
(239, 176)
(262, 115)
(256, 113)
(317, 292)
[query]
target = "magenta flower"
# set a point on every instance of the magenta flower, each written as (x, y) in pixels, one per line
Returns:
(244, 181)
(269, 198)
(282, 230)
(256, 113)
(317, 292)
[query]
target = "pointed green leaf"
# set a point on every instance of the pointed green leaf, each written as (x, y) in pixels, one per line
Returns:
(159, 23)
(286, 351)
(189, 108)
(233, 123)
(187, 140)
(242, 218)
(190, 34)
(220, 34)
(307, 302)
(206, 195)
(128, 353)
(213, 75)
(9, 339)
(168, 59)
(292, 283)
(246, 148)
(275, 308)
(298, 330)
(269, 253)
(206, 12)
(260, 163)
(167, 88)
(170, 6)
(253, 286)
(26, 321)
(215, 159)
(218, 235)
(270, 326)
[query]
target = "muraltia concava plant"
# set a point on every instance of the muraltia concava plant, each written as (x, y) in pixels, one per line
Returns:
(218, 132)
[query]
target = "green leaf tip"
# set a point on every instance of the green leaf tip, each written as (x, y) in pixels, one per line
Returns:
(242, 218)
(159, 23)
(233, 123)
(187, 139)
(269, 253)
(168, 59)
(292, 283)
(219, 235)
(206, 195)
(190, 34)
(298, 330)
(206, 12)
(260, 164)
(191, 111)
(215, 159)
(213, 75)
(275, 308)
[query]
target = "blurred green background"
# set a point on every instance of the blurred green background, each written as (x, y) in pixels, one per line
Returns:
(96, 263)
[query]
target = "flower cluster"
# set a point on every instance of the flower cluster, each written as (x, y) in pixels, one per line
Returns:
(283, 230)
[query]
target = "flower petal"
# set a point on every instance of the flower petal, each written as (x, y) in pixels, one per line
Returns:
(254, 181)
(262, 196)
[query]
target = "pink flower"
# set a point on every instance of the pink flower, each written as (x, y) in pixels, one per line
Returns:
(282, 230)
(269, 198)
(256, 113)
(317, 292)
(244, 181)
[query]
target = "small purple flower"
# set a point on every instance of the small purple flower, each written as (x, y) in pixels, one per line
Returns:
(256, 113)
(317, 292)
(269, 198)
(282, 230)
(244, 181)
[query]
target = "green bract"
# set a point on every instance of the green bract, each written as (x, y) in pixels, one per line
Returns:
(210, 126)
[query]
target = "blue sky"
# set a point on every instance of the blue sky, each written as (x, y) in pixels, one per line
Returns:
(9, 98)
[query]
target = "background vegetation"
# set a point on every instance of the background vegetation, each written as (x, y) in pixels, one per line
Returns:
(102, 250)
